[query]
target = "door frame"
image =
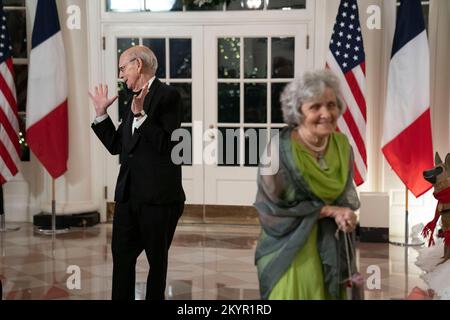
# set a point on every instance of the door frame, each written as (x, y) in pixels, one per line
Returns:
(239, 183)
(192, 175)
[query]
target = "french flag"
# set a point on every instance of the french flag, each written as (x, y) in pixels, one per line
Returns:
(47, 118)
(407, 141)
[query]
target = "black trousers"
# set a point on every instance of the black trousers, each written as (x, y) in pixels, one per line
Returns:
(138, 227)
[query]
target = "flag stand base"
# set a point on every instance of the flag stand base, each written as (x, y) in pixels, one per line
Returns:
(49, 232)
(53, 231)
(410, 243)
(4, 227)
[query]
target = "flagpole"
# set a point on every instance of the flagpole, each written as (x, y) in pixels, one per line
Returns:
(53, 231)
(406, 217)
(53, 218)
(3, 227)
(53, 207)
(406, 241)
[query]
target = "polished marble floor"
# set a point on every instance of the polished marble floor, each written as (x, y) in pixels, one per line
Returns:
(206, 262)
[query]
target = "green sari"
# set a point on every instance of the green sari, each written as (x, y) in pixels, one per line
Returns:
(297, 251)
(304, 278)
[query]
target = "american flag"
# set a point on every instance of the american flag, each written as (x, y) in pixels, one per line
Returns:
(346, 59)
(9, 123)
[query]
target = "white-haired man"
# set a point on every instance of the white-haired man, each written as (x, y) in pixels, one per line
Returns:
(149, 195)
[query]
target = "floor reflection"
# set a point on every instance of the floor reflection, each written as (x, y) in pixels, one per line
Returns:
(206, 262)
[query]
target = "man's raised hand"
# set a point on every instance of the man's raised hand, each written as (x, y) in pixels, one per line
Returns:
(100, 99)
(138, 101)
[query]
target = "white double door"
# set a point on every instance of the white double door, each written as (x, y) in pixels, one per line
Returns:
(230, 78)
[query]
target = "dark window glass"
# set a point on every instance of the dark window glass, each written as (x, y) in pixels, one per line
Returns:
(124, 99)
(180, 58)
(426, 13)
(16, 23)
(14, 3)
(213, 5)
(20, 80)
(277, 115)
(158, 46)
(255, 57)
(283, 57)
(255, 103)
(229, 146)
(186, 96)
(191, 6)
(24, 149)
(229, 56)
(255, 142)
(292, 4)
(229, 102)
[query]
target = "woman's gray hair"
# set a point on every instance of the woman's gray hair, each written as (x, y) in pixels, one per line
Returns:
(309, 86)
(147, 56)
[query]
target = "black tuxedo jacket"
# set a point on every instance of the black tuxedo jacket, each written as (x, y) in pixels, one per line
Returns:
(146, 165)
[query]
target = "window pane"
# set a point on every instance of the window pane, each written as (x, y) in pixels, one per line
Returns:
(255, 142)
(158, 47)
(185, 91)
(180, 58)
(20, 80)
(229, 147)
(123, 44)
(204, 7)
(16, 24)
(283, 57)
(229, 56)
(245, 5)
(163, 5)
(13, 3)
(255, 103)
(426, 13)
(277, 115)
(124, 6)
(124, 99)
(25, 150)
(229, 102)
(288, 4)
(255, 57)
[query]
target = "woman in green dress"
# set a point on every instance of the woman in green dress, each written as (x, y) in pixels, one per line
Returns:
(306, 195)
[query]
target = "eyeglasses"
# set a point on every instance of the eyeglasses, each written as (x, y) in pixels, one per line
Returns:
(122, 67)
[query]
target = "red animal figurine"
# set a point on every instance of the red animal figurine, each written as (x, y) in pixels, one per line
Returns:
(439, 176)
